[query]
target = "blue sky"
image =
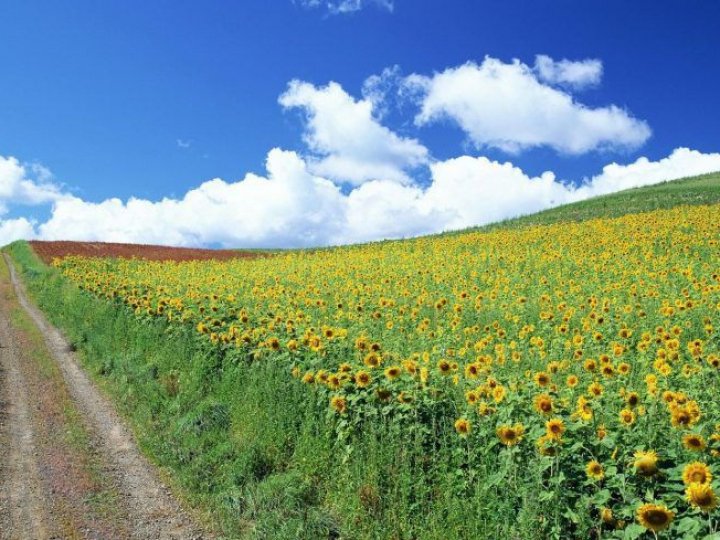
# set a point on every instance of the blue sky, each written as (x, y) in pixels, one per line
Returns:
(151, 99)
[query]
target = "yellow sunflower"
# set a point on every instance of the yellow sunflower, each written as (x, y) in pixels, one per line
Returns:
(463, 427)
(696, 473)
(594, 470)
(362, 379)
(694, 442)
(646, 462)
(338, 404)
(555, 427)
(655, 517)
(510, 435)
(701, 496)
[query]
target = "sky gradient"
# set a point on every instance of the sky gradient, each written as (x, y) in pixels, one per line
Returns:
(430, 104)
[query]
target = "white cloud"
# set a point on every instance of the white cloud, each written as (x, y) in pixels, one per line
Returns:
(575, 74)
(291, 207)
(505, 106)
(25, 184)
(681, 163)
(15, 229)
(347, 6)
(350, 144)
(183, 144)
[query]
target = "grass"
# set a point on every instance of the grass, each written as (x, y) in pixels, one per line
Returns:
(704, 189)
(258, 457)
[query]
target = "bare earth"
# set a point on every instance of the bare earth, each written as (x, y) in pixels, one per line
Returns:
(22, 500)
(47, 251)
(35, 483)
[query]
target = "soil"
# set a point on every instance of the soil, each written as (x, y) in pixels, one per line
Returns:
(47, 488)
(47, 251)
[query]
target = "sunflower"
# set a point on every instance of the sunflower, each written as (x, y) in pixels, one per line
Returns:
(393, 372)
(696, 473)
(362, 379)
(571, 381)
(543, 404)
(606, 515)
(472, 371)
(541, 378)
(627, 417)
(545, 446)
(338, 404)
(372, 360)
(632, 399)
(701, 496)
(646, 462)
(462, 426)
(595, 389)
(410, 366)
(334, 382)
(510, 435)
(654, 517)
(594, 470)
(499, 393)
(694, 442)
(555, 428)
(444, 367)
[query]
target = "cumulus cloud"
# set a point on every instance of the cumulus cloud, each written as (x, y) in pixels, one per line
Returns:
(289, 206)
(15, 229)
(681, 163)
(347, 6)
(507, 106)
(349, 143)
(575, 74)
(25, 184)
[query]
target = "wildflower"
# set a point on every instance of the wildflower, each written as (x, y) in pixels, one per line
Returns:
(338, 404)
(696, 473)
(701, 496)
(511, 435)
(694, 442)
(362, 379)
(654, 517)
(555, 427)
(462, 426)
(594, 470)
(646, 462)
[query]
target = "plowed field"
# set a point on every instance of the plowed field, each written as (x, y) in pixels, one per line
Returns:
(49, 250)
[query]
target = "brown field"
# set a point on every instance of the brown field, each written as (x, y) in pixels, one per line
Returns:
(49, 250)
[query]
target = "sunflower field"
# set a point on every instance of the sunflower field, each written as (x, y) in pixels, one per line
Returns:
(570, 372)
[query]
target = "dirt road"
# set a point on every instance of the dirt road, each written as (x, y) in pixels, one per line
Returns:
(70, 468)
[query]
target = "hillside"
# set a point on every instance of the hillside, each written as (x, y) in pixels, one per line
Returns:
(520, 381)
(704, 189)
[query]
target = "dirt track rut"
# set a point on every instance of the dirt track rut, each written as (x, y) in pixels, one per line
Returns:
(152, 511)
(22, 499)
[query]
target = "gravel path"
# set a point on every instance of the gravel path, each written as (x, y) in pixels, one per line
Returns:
(24, 510)
(154, 513)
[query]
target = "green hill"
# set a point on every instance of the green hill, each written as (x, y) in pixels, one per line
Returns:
(704, 189)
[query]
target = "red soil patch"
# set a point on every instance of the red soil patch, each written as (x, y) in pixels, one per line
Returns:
(47, 251)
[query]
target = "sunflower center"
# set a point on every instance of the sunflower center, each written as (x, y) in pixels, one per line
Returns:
(657, 517)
